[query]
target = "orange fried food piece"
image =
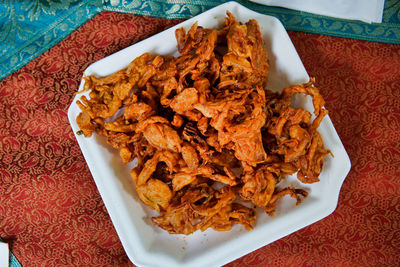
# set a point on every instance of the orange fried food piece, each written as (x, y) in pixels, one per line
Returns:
(307, 89)
(190, 156)
(228, 216)
(298, 140)
(246, 59)
(185, 100)
(259, 186)
(138, 111)
(310, 165)
(160, 134)
(141, 174)
(201, 207)
(85, 123)
(155, 193)
(205, 120)
(295, 193)
(238, 119)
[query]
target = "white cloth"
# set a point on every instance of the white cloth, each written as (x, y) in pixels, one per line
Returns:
(364, 10)
(4, 254)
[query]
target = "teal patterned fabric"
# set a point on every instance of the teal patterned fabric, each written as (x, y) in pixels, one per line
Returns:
(30, 27)
(13, 261)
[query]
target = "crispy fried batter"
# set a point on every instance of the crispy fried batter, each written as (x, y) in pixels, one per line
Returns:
(202, 121)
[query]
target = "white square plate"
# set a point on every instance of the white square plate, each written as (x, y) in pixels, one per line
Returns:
(148, 245)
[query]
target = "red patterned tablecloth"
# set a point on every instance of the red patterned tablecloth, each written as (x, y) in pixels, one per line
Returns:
(51, 213)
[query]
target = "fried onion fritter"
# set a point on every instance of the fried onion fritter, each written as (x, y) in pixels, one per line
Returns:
(205, 120)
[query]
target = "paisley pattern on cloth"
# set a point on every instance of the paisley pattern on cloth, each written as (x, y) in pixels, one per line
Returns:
(51, 213)
(30, 27)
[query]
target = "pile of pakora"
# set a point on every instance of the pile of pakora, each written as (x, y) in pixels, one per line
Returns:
(211, 141)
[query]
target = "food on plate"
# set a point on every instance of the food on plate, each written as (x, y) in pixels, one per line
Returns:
(209, 137)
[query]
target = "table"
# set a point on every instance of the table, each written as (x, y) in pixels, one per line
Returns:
(51, 213)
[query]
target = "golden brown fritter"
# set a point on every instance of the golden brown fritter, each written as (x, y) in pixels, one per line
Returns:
(205, 120)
